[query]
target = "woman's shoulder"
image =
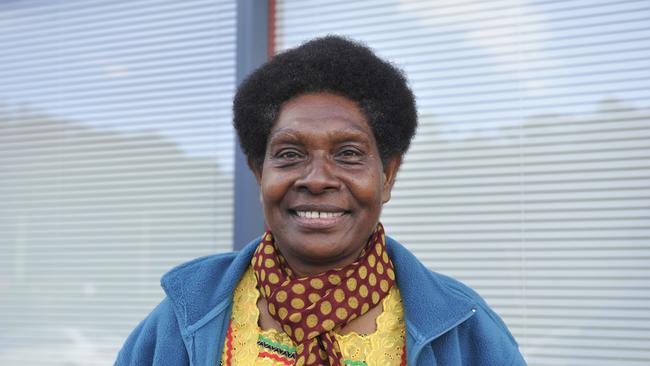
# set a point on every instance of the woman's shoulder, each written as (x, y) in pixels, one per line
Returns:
(209, 267)
(197, 267)
(408, 265)
(439, 304)
(197, 286)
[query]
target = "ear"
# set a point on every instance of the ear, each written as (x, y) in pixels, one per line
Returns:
(257, 171)
(390, 172)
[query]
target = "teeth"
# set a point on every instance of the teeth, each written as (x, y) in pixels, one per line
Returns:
(318, 214)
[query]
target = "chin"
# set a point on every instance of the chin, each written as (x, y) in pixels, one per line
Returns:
(319, 253)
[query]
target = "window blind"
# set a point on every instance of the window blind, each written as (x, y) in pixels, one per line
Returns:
(116, 163)
(529, 176)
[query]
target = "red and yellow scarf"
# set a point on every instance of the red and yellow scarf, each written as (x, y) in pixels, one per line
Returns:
(309, 308)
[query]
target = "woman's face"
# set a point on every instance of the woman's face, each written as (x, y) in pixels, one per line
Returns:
(322, 182)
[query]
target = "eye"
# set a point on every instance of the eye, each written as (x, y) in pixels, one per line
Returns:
(288, 155)
(350, 154)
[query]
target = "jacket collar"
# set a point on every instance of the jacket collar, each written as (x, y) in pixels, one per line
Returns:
(202, 289)
(432, 306)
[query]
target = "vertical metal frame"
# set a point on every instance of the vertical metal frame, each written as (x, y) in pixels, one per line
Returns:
(252, 50)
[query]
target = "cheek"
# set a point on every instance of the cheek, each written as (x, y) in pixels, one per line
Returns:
(273, 189)
(269, 194)
(368, 190)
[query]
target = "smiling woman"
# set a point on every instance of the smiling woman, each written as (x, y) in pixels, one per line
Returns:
(322, 182)
(324, 127)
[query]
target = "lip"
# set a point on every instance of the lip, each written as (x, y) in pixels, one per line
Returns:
(318, 223)
(317, 207)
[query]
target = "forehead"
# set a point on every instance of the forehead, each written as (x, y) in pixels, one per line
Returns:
(319, 112)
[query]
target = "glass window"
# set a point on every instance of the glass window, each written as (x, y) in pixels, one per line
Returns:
(528, 178)
(116, 163)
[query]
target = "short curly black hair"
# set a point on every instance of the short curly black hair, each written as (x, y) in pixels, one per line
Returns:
(330, 64)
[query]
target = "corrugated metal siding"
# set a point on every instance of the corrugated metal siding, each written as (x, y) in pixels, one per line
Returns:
(116, 163)
(529, 178)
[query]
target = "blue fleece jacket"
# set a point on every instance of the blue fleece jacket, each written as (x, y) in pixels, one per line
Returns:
(447, 323)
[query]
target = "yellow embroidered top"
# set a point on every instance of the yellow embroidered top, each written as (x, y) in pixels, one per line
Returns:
(247, 344)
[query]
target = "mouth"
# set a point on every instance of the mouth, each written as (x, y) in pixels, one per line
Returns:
(318, 217)
(318, 214)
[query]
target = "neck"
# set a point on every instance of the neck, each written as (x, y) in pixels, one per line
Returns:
(304, 267)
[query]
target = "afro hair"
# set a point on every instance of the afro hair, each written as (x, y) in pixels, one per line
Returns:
(334, 65)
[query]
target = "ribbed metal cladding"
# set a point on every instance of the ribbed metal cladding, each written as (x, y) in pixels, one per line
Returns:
(116, 163)
(529, 178)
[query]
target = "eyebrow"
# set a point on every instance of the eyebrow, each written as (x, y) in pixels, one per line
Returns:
(342, 135)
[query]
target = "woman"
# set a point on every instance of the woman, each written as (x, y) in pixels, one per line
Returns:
(324, 127)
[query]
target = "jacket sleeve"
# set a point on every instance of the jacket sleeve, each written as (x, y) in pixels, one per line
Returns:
(155, 341)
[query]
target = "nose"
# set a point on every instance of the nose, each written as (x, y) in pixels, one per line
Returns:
(318, 176)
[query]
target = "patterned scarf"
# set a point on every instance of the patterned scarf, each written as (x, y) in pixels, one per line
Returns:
(309, 308)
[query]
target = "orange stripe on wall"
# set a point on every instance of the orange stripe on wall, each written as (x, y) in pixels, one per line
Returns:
(271, 30)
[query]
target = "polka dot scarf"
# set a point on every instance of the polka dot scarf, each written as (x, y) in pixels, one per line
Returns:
(309, 308)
